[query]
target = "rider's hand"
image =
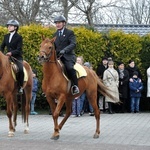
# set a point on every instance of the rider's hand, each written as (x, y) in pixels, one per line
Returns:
(62, 52)
(8, 54)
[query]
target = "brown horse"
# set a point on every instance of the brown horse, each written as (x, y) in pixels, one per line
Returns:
(9, 90)
(55, 86)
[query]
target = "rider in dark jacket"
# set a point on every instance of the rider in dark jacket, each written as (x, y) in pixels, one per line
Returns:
(13, 42)
(65, 44)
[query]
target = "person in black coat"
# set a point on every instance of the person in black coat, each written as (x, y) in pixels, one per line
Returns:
(123, 86)
(100, 71)
(102, 67)
(132, 68)
(13, 41)
(65, 44)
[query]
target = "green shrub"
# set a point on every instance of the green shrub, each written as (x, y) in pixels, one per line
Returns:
(90, 44)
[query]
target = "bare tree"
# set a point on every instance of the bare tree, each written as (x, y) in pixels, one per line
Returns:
(25, 11)
(86, 7)
(78, 11)
(90, 9)
(130, 11)
(139, 11)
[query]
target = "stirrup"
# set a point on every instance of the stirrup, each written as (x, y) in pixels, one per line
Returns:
(75, 90)
(20, 92)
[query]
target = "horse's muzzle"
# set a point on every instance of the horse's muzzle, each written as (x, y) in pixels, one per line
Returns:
(41, 59)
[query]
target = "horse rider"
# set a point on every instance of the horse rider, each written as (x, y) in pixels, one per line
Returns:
(13, 41)
(65, 44)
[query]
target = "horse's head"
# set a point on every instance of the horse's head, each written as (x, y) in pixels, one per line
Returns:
(46, 49)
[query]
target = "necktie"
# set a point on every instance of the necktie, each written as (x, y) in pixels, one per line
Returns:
(59, 33)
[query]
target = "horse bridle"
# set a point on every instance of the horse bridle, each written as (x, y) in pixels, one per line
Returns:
(47, 56)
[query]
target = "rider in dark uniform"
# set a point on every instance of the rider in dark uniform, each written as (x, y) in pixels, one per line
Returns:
(65, 44)
(13, 41)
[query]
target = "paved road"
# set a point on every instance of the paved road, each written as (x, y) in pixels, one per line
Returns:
(118, 132)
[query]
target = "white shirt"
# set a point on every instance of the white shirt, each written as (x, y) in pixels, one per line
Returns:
(11, 35)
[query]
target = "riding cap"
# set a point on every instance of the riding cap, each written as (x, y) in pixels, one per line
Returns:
(13, 22)
(59, 19)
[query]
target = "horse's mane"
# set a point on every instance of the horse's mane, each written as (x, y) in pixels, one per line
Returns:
(4, 61)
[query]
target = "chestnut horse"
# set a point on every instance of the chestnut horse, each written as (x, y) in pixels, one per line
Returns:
(9, 90)
(55, 86)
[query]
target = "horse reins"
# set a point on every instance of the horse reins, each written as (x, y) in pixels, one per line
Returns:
(47, 59)
(13, 58)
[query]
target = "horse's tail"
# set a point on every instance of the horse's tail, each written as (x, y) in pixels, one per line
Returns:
(104, 90)
(23, 105)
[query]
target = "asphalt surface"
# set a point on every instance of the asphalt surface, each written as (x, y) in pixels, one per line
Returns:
(118, 132)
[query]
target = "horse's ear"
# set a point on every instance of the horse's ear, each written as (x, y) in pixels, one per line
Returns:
(43, 37)
(53, 39)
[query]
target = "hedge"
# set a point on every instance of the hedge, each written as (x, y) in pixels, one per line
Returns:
(91, 45)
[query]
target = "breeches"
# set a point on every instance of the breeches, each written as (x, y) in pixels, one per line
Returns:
(20, 74)
(69, 65)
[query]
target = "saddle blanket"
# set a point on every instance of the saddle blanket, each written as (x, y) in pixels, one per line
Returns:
(80, 71)
(25, 74)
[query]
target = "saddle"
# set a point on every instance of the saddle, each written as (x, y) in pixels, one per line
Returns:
(80, 71)
(15, 70)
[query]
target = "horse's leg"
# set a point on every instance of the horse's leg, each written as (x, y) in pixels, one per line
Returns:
(28, 93)
(9, 114)
(92, 97)
(56, 113)
(15, 110)
(68, 112)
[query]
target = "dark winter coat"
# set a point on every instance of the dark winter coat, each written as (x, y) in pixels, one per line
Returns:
(131, 70)
(134, 86)
(123, 84)
(100, 70)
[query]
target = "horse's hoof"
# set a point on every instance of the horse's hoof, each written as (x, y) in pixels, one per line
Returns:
(55, 137)
(96, 136)
(10, 134)
(26, 131)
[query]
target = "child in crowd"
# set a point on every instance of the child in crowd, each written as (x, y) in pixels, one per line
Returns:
(34, 92)
(136, 87)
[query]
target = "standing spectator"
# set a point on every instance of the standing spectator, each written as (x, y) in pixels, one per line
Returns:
(100, 71)
(34, 92)
(80, 60)
(136, 87)
(87, 105)
(131, 68)
(76, 107)
(123, 86)
(148, 82)
(65, 44)
(77, 103)
(111, 80)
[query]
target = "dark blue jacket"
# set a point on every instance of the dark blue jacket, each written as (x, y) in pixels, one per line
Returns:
(35, 84)
(134, 86)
